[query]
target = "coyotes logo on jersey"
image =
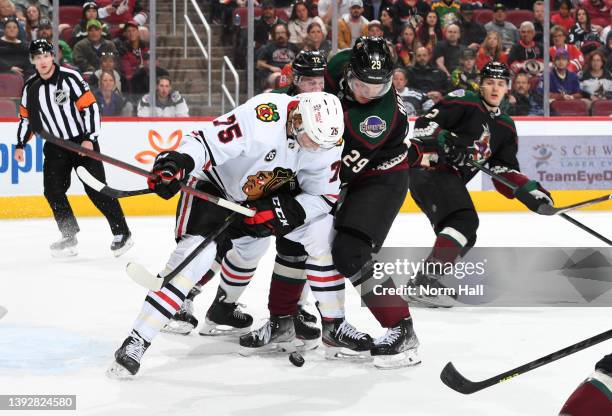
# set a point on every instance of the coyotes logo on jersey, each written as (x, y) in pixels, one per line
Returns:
(482, 145)
(265, 181)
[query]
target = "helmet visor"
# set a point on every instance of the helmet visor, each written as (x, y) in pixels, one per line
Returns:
(368, 90)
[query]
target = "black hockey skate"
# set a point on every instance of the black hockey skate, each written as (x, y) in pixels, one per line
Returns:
(225, 318)
(306, 316)
(429, 291)
(183, 322)
(128, 356)
(343, 341)
(397, 348)
(64, 247)
(121, 243)
(276, 335)
(307, 335)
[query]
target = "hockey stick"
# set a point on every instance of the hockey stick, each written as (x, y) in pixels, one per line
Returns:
(74, 147)
(550, 210)
(453, 379)
(101, 187)
(545, 207)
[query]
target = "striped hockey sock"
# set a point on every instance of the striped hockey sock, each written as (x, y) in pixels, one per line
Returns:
(236, 274)
(327, 286)
(448, 245)
(287, 284)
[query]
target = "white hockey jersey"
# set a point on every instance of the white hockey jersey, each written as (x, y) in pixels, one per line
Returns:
(246, 153)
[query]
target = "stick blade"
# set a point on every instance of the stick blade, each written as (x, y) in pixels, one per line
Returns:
(139, 274)
(89, 179)
(453, 379)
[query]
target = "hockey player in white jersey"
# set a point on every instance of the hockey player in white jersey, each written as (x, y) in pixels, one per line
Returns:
(245, 156)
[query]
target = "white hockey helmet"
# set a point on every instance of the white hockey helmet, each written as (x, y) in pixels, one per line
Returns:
(322, 118)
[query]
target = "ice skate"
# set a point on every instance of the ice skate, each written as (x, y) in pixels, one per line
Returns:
(344, 342)
(430, 292)
(276, 335)
(397, 348)
(121, 244)
(306, 334)
(306, 316)
(127, 357)
(225, 318)
(64, 247)
(183, 322)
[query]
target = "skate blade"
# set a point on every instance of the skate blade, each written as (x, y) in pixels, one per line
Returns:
(210, 329)
(306, 344)
(408, 358)
(438, 302)
(64, 253)
(128, 245)
(178, 328)
(286, 347)
(117, 372)
(346, 354)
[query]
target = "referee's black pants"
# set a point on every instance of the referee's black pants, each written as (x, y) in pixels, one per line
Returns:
(57, 170)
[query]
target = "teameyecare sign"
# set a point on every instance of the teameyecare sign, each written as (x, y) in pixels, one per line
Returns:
(495, 276)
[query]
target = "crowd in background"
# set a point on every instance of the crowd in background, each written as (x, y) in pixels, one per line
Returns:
(438, 46)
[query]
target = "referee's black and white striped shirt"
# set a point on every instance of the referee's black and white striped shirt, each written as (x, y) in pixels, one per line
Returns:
(67, 107)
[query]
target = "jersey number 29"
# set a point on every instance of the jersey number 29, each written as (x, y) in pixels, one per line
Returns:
(354, 161)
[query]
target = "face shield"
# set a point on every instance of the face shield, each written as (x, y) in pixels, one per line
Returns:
(367, 90)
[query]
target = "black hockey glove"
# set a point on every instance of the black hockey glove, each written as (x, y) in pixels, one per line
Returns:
(170, 168)
(278, 214)
(532, 195)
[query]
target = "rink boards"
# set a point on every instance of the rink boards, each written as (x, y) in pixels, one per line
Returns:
(570, 156)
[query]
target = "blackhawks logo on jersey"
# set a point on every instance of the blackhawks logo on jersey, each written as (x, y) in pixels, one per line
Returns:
(267, 112)
(265, 181)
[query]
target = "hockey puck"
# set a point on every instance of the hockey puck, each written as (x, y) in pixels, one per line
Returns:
(296, 359)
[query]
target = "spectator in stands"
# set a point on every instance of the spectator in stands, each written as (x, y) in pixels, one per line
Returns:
(508, 32)
(564, 17)
(86, 53)
(32, 18)
(576, 58)
(518, 98)
(109, 98)
(90, 12)
(168, 103)
(14, 54)
(596, 80)
(538, 20)
(315, 41)
(325, 9)
(426, 77)
(301, 18)
(447, 11)
(372, 9)
(264, 25)
(564, 85)
(139, 84)
(107, 64)
(447, 52)
(415, 102)
(607, 50)
(44, 8)
(123, 11)
(466, 77)
(473, 33)
(526, 55)
(45, 31)
(390, 24)
(583, 31)
(407, 46)
(131, 50)
(490, 50)
(597, 9)
(272, 57)
(411, 12)
(352, 25)
(430, 32)
(7, 11)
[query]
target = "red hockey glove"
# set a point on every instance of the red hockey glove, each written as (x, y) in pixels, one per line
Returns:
(170, 168)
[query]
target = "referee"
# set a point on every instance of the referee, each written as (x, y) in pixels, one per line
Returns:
(59, 100)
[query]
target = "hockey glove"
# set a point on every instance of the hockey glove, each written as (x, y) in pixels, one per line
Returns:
(278, 214)
(532, 195)
(170, 168)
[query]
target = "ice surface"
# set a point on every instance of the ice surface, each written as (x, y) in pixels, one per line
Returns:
(66, 318)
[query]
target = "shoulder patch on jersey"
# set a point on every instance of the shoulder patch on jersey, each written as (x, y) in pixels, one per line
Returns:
(373, 126)
(267, 112)
(457, 93)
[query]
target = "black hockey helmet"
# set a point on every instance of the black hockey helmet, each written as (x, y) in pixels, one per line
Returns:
(40, 46)
(496, 70)
(309, 64)
(369, 73)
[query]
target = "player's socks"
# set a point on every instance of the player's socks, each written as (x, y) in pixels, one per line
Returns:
(592, 397)
(236, 274)
(286, 285)
(327, 285)
(448, 246)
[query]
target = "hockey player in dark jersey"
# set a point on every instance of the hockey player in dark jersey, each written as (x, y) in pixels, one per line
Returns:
(464, 126)
(374, 174)
(594, 396)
